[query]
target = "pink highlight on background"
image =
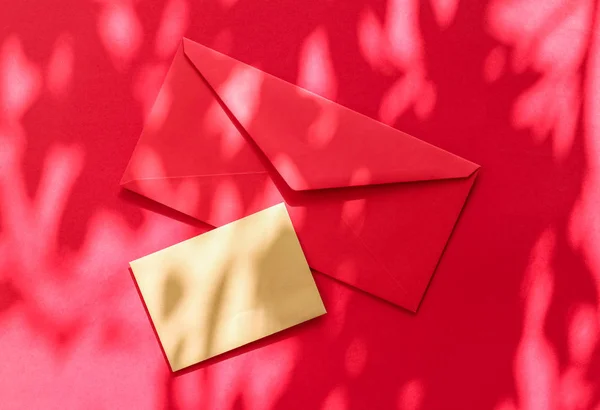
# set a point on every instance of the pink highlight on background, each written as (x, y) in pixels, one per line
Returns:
(15, 207)
(535, 367)
(31, 226)
(425, 102)
(60, 67)
(564, 47)
(395, 47)
(592, 121)
(12, 146)
(395, 44)
(506, 18)
(337, 399)
(398, 98)
(549, 36)
(583, 334)
(567, 97)
(120, 32)
(371, 39)
(575, 391)
(356, 358)
(445, 11)
(403, 34)
(529, 110)
(223, 41)
(411, 395)
(495, 64)
(61, 169)
(550, 109)
(584, 226)
(316, 72)
(174, 22)
(20, 80)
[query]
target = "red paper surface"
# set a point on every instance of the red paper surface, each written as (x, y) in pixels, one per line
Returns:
(510, 320)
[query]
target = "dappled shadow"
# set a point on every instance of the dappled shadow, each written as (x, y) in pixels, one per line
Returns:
(508, 85)
(227, 288)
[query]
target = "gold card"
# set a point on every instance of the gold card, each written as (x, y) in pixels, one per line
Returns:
(228, 287)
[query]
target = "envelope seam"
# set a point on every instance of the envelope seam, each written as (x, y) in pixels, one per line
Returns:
(385, 268)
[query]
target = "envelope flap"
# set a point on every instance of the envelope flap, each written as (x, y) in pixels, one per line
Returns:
(313, 142)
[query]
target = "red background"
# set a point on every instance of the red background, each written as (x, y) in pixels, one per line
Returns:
(511, 318)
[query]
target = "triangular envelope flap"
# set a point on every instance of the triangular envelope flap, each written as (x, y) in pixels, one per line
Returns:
(187, 133)
(313, 142)
(192, 158)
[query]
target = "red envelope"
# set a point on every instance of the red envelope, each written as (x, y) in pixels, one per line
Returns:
(373, 207)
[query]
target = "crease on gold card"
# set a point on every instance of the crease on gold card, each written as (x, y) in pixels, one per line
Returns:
(227, 287)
